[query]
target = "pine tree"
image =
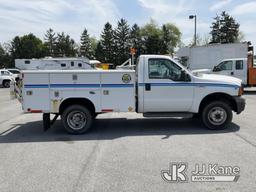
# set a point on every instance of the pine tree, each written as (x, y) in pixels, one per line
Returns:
(50, 42)
(122, 41)
(86, 45)
(224, 29)
(65, 46)
(99, 53)
(136, 40)
(108, 44)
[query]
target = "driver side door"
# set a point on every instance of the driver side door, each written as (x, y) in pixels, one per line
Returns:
(163, 90)
(225, 68)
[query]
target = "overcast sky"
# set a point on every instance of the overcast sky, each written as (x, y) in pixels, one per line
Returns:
(19, 17)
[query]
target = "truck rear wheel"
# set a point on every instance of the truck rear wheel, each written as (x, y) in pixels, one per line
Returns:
(77, 119)
(217, 115)
(6, 83)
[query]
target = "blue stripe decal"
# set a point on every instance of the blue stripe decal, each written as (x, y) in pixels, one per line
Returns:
(190, 84)
(74, 85)
(37, 86)
(117, 85)
(79, 85)
(128, 85)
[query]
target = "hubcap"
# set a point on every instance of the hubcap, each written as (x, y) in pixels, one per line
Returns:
(217, 116)
(7, 84)
(76, 120)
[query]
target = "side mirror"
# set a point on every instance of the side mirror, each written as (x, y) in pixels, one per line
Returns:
(216, 69)
(184, 76)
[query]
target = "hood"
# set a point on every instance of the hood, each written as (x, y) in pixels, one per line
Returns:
(221, 79)
(199, 71)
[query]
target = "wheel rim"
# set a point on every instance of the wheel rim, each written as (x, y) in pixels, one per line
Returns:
(7, 84)
(76, 120)
(217, 116)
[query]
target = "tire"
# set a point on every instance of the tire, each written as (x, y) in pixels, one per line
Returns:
(77, 119)
(217, 115)
(6, 83)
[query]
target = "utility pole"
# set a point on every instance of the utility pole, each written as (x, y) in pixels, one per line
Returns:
(194, 17)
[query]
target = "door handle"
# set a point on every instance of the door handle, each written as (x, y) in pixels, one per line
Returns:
(147, 87)
(232, 73)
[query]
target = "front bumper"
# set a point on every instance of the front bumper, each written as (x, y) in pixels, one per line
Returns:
(240, 104)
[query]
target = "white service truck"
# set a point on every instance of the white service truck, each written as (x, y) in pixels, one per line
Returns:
(208, 56)
(65, 63)
(241, 68)
(159, 87)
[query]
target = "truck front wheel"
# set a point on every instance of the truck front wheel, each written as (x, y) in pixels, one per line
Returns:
(217, 115)
(77, 119)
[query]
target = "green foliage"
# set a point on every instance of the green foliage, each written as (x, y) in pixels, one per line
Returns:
(151, 36)
(108, 44)
(65, 46)
(158, 40)
(50, 43)
(2, 57)
(171, 36)
(28, 46)
(86, 49)
(122, 41)
(113, 47)
(224, 29)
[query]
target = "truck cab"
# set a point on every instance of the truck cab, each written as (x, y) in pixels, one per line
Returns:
(233, 67)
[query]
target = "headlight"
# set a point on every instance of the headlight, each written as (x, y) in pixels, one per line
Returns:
(241, 91)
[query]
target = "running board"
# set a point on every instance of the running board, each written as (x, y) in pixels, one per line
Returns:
(172, 114)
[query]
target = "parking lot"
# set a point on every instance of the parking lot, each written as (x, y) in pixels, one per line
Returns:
(123, 152)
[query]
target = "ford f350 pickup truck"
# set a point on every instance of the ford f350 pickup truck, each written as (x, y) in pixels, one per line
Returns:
(159, 87)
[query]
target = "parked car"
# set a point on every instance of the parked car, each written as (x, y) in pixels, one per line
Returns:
(15, 72)
(6, 77)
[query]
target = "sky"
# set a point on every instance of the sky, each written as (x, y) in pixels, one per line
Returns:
(19, 17)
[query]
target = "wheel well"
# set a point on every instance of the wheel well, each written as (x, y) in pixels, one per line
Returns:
(6, 80)
(218, 97)
(77, 101)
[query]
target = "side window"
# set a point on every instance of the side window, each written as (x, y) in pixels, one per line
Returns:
(63, 64)
(5, 73)
(72, 63)
(164, 69)
(79, 64)
(27, 62)
(239, 65)
(226, 65)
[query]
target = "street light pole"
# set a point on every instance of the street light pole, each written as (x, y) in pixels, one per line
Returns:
(194, 17)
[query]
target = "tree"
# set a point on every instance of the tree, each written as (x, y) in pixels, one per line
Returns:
(122, 41)
(108, 44)
(2, 57)
(86, 45)
(28, 46)
(171, 36)
(224, 29)
(151, 37)
(50, 42)
(136, 40)
(65, 46)
(99, 54)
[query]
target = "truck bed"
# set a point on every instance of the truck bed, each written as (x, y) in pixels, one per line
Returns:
(112, 90)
